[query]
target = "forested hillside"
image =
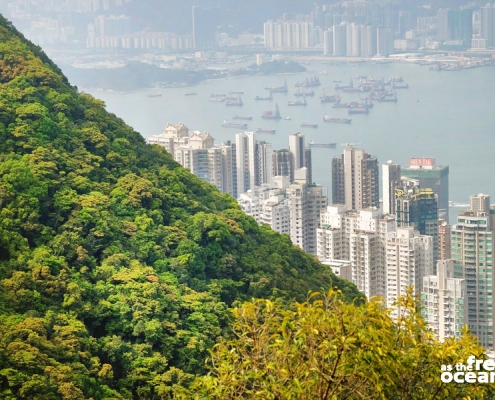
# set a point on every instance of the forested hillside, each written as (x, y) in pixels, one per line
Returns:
(117, 266)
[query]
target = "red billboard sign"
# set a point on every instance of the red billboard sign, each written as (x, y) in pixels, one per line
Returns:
(422, 162)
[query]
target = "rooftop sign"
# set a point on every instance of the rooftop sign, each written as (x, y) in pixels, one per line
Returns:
(422, 162)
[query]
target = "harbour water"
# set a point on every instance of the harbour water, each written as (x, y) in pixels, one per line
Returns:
(446, 115)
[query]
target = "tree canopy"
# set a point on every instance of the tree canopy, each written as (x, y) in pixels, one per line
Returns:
(117, 266)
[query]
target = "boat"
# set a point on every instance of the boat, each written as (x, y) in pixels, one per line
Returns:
(189, 94)
(406, 86)
(278, 89)
(329, 99)
(297, 103)
(336, 81)
(358, 110)
(304, 94)
(218, 99)
(341, 105)
(306, 125)
(227, 124)
(287, 118)
(326, 118)
(155, 94)
(236, 92)
(237, 102)
(384, 99)
(327, 145)
(264, 98)
(311, 82)
(250, 118)
(275, 114)
(218, 95)
(270, 131)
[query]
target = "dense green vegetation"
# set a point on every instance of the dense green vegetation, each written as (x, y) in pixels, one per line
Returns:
(327, 349)
(117, 266)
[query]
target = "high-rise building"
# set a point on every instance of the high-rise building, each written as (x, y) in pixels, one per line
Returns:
(409, 259)
(291, 34)
(443, 31)
(460, 25)
(268, 204)
(444, 301)
(297, 147)
(368, 41)
(444, 240)
(472, 249)
(355, 179)
(390, 181)
(264, 155)
(283, 164)
(340, 40)
(328, 42)
(488, 24)
(384, 41)
(247, 171)
(359, 237)
(353, 40)
(305, 203)
(418, 208)
(431, 176)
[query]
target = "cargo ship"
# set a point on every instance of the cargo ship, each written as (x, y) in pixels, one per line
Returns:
(236, 92)
(306, 125)
(272, 114)
(278, 89)
(304, 93)
(327, 145)
(329, 99)
(155, 94)
(326, 118)
(341, 105)
(264, 98)
(236, 102)
(189, 94)
(218, 99)
(270, 131)
(406, 86)
(250, 118)
(227, 124)
(312, 82)
(297, 103)
(384, 99)
(358, 110)
(217, 95)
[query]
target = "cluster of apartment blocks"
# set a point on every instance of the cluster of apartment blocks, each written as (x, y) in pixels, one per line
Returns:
(406, 241)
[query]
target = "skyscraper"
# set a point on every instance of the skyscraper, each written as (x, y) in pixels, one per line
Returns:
(431, 176)
(297, 147)
(418, 208)
(355, 179)
(390, 181)
(472, 249)
(488, 24)
(246, 161)
(339, 40)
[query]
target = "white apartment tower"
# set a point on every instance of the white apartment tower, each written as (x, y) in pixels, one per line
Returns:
(305, 203)
(409, 258)
(358, 237)
(444, 301)
(245, 161)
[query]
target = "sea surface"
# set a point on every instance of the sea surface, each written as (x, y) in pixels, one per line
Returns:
(448, 115)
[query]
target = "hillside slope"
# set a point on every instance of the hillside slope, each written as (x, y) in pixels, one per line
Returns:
(116, 265)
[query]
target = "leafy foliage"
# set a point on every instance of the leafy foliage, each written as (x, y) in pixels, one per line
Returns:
(328, 349)
(116, 265)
